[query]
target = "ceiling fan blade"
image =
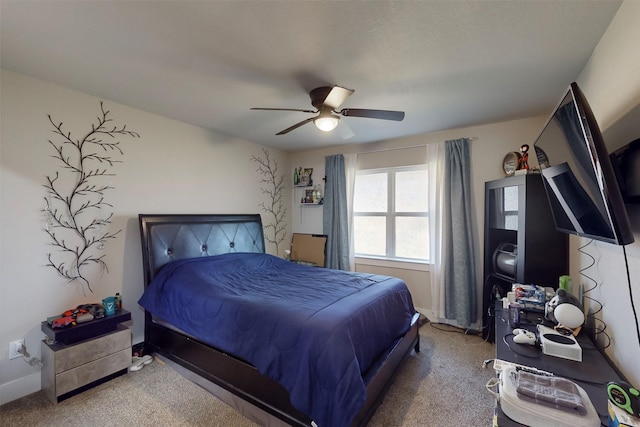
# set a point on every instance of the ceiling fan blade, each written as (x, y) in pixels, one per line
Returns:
(373, 114)
(336, 96)
(296, 126)
(284, 109)
(345, 130)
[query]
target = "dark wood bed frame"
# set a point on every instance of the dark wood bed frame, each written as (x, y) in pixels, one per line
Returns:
(170, 237)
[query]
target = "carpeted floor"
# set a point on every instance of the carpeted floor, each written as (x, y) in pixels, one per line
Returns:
(444, 384)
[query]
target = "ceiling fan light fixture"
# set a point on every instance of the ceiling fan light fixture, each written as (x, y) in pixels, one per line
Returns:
(326, 123)
(326, 100)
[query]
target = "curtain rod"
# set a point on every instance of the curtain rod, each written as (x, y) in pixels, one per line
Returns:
(382, 150)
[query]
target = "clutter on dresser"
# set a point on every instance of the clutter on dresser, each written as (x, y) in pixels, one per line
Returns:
(562, 310)
(86, 312)
(565, 311)
(558, 354)
(517, 162)
(618, 417)
(82, 322)
(529, 297)
(555, 343)
(538, 399)
(555, 332)
(624, 404)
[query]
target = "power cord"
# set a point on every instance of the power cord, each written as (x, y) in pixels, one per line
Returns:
(633, 305)
(32, 361)
(454, 329)
(486, 362)
(600, 329)
(599, 326)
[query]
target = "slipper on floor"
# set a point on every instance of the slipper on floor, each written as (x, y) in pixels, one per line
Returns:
(139, 362)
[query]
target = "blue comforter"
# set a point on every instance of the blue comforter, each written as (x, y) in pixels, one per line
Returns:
(315, 331)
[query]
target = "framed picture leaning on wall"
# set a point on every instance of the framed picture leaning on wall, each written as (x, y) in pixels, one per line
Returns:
(305, 177)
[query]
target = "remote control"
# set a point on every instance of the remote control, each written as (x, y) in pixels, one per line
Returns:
(522, 336)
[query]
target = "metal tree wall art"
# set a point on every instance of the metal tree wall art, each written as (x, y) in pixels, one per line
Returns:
(78, 216)
(272, 184)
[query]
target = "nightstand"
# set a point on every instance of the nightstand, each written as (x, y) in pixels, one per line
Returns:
(70, 368)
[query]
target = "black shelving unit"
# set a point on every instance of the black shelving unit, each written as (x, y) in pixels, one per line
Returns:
(521, 244)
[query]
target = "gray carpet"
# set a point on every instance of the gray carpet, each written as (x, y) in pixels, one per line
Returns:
(444, 384)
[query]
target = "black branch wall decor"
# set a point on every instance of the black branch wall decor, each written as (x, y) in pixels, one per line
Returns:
(272, 184)
(78, 214)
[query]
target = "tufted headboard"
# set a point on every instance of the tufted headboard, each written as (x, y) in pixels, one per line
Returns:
(171, 237)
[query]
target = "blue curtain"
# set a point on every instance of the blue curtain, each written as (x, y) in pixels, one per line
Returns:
(335, 219)
(459, 268)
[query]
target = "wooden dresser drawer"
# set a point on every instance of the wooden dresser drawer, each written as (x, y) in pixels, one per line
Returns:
(89, 372)
(90, 350)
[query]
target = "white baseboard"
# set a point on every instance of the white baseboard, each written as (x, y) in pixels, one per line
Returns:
(433, 317)
(429, 314)
(19, 388)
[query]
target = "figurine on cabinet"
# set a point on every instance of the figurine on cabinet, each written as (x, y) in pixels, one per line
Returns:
(523, 161)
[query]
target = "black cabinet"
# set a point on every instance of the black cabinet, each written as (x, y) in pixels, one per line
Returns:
(521, 244)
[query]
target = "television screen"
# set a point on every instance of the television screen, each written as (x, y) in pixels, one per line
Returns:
(578, 176)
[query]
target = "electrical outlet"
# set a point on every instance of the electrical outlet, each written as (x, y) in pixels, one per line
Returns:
(14, 346)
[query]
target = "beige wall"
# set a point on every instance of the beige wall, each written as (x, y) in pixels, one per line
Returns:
(172, 168)
(611, 83)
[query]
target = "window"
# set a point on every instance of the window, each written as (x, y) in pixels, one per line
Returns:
(391, 213)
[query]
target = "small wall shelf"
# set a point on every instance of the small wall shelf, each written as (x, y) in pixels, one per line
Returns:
(304, 192)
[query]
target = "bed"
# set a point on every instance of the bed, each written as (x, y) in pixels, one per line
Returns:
(284, 343)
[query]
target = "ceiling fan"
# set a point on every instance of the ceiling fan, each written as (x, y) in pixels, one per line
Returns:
(326, 100)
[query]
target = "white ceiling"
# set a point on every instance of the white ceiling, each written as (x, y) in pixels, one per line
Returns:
(447, 64)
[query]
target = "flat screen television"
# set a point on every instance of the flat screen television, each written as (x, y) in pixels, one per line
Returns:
(578, 176)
